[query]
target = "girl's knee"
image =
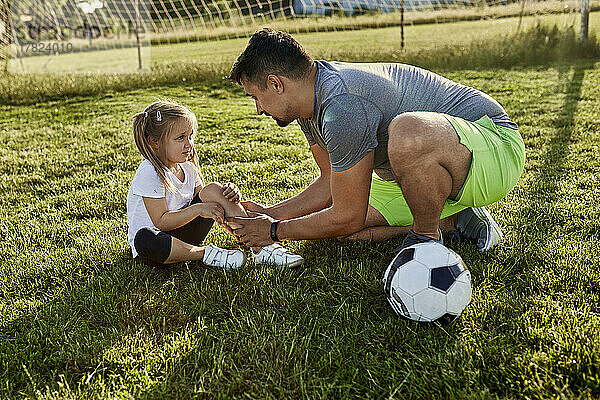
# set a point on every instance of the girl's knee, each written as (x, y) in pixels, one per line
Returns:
(152, 244)
(212, 192)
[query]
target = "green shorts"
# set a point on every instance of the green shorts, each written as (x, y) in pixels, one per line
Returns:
(497, 163)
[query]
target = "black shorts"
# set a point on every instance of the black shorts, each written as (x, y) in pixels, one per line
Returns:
(154, 246)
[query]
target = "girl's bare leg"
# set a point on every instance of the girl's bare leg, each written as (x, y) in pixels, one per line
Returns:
(213, 193)
(182, 251)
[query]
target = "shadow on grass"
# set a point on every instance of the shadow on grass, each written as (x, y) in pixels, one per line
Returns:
(543, 194)
(532, 280)
(323, 330)
(256, 331)
(558, 148)
(64, 339)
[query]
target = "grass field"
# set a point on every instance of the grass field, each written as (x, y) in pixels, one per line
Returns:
(80, 319)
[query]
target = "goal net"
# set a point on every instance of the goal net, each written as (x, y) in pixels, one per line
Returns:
(34, 33)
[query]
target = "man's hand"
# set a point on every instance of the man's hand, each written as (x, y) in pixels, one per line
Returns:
(254, 231)
(231, 192)
(253, 206)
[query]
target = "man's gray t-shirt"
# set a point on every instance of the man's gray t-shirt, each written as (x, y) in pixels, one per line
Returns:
(355, 103)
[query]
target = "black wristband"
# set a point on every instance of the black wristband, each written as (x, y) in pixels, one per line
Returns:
(274, 231)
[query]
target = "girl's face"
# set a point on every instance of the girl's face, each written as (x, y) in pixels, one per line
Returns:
(178, 146)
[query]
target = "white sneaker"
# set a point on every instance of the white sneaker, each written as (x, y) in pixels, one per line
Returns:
(278, 256)
(217, 257)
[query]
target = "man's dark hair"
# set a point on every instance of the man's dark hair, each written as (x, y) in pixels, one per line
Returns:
(271, 52)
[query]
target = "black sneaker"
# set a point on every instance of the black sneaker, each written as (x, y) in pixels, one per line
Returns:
(477, 225)
(414, 238)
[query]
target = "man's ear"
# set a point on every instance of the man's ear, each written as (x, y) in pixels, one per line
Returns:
(274, 82)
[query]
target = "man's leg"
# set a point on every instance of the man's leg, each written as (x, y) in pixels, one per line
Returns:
(430, 165)
(377, 229)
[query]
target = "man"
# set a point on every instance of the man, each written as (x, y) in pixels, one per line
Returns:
(440, 150)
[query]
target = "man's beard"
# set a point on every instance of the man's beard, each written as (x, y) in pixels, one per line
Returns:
(281, 122)
(288, 115)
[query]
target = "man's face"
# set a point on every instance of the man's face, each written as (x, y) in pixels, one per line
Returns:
(271, 101)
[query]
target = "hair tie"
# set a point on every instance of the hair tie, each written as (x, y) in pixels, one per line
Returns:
(145, 114)
(158, 116)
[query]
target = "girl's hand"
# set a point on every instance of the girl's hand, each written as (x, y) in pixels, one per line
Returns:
(212, 210)
(231, 192)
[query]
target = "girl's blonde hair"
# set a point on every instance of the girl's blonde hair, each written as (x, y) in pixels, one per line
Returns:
(156, 121)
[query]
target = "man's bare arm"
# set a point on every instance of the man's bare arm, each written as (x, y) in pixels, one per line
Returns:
(347, 213)
(315, 197)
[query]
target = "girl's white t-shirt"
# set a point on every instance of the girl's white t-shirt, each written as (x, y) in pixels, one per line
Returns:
(146, 183)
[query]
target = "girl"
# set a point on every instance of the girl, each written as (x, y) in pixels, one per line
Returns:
(169, 210)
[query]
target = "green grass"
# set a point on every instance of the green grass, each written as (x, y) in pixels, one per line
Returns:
(80, 319)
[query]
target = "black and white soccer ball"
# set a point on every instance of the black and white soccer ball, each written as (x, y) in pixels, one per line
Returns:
(426, 282)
